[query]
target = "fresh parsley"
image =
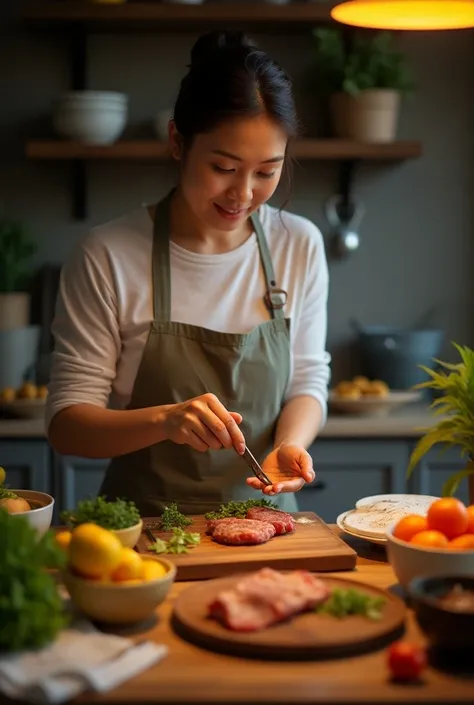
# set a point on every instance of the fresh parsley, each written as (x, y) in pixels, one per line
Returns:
(180, 542)
(342, 603)
(31, 610)
(239, 509)
(119, 514)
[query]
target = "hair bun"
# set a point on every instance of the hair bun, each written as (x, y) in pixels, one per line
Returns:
(209, 46)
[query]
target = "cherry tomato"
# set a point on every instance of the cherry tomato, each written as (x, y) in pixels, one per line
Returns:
(406, 661)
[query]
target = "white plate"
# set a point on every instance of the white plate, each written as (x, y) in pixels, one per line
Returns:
(374, 406)
(340, 524)
(372, 516)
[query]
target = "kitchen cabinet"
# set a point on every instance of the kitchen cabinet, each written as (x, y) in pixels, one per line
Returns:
(77, 479)
(347, 470)
(435, 468)
(27, 464)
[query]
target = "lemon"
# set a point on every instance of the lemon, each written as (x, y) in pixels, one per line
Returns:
(63, 538)
(93, 551)
(3, 475)
(129, 568)
(152, 570)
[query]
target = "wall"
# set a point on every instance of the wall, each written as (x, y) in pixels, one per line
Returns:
(416, 253)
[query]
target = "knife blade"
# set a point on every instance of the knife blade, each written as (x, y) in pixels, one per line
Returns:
(255, 467)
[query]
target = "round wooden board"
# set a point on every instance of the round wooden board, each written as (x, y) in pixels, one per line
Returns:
(306, 636)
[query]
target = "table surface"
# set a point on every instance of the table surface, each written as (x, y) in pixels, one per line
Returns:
(190, 674)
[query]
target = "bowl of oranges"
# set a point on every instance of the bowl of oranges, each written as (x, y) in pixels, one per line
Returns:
(109, 582)
(437, 544)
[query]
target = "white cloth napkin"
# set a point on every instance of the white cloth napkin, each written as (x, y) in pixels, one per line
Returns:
(81, 658)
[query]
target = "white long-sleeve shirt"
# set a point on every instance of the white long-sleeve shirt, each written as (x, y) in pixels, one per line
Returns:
(105, 306)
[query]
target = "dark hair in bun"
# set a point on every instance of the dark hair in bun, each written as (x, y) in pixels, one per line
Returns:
(230, 77)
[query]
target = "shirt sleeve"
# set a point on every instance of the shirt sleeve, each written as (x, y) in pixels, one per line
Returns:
(311, 361)
(86, 335)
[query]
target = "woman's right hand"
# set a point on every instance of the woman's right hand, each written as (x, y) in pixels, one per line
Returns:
(203, 423)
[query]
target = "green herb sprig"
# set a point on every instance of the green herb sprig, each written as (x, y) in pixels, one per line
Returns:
(172, 518)
(31, 610)
(180, 542)
(342, 603)
(119, 514)
(239, 509)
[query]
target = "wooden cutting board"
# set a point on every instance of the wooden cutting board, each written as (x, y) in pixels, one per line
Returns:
(312, 545)
(305, 636)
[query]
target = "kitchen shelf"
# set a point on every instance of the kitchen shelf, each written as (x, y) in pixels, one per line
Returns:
(152, 15)
(324, 149)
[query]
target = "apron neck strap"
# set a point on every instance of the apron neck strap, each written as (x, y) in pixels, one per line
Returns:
(275, 298)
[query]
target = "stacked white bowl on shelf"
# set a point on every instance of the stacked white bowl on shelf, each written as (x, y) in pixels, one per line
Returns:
(91, 117)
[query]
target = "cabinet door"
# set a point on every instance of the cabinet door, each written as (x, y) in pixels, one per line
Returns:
(27, 464)
(77, 479)
(349, 470)
(435, 468)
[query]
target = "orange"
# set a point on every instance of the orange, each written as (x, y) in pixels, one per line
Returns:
(409, 526)
(430, 539)
(470, 519)
(63, 538)
(463, 543)
(448, 515)
(129, 568)
(93, 551)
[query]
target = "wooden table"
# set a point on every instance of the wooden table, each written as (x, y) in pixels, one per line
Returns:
(191, 675)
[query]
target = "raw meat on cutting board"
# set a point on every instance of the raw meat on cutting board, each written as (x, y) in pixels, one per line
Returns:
(242, 532)
(283, 522)
(267, 597)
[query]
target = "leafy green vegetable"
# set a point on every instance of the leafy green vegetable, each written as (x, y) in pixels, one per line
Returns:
(342, 603)
(239, 509)
(31, 610)
(120, 514)
(180, 542)
(172, 518)
(5, 493)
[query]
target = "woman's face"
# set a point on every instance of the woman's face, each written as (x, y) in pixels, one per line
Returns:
(229, 172)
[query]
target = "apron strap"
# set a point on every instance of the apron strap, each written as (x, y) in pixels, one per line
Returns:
(161, 268)
(275, 298)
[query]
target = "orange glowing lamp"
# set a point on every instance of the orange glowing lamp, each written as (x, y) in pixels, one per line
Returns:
(406, 14)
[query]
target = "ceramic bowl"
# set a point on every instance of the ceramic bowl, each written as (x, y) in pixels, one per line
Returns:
(41, 514)
(129, 536)
(444, 626)
(116, 603)
(409, 561)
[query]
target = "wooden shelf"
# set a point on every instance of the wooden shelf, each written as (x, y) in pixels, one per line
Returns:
(153, 150)
(153, 14)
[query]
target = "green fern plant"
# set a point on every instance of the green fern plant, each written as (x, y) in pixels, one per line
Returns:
(454, 384)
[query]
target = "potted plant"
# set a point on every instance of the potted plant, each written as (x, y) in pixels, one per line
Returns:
(454, 386)
(365, 81)
(16, 248)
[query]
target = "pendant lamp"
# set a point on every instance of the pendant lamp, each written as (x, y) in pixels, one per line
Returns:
(406, 14)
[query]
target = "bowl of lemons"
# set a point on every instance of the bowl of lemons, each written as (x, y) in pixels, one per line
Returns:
(109, 582)
(371, 397)
(26, 402)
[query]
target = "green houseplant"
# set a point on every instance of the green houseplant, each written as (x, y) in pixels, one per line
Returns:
(365, 81)
(16, 249)
(454, 385)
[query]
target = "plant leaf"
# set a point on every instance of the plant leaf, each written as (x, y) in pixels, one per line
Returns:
(451, 485)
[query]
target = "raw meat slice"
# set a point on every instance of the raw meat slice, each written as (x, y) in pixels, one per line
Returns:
(283, 522)
(212, 523)
(243, 532)
(267, 597)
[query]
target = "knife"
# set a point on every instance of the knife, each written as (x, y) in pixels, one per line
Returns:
(255, 467)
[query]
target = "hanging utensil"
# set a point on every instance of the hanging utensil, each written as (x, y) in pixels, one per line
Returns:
(345, 219)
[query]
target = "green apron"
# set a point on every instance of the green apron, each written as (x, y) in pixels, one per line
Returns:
(247, 372)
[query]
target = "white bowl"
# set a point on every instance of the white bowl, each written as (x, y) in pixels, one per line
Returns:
(41, 517)
(409, 561)
(91, 124)
(119, 603)
(27, 408)
(129, 537)
(372, 405)
(84, 97)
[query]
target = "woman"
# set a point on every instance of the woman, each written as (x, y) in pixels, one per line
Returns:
(201, 321)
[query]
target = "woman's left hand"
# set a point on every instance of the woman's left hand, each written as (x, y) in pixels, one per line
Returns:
(288, 467)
